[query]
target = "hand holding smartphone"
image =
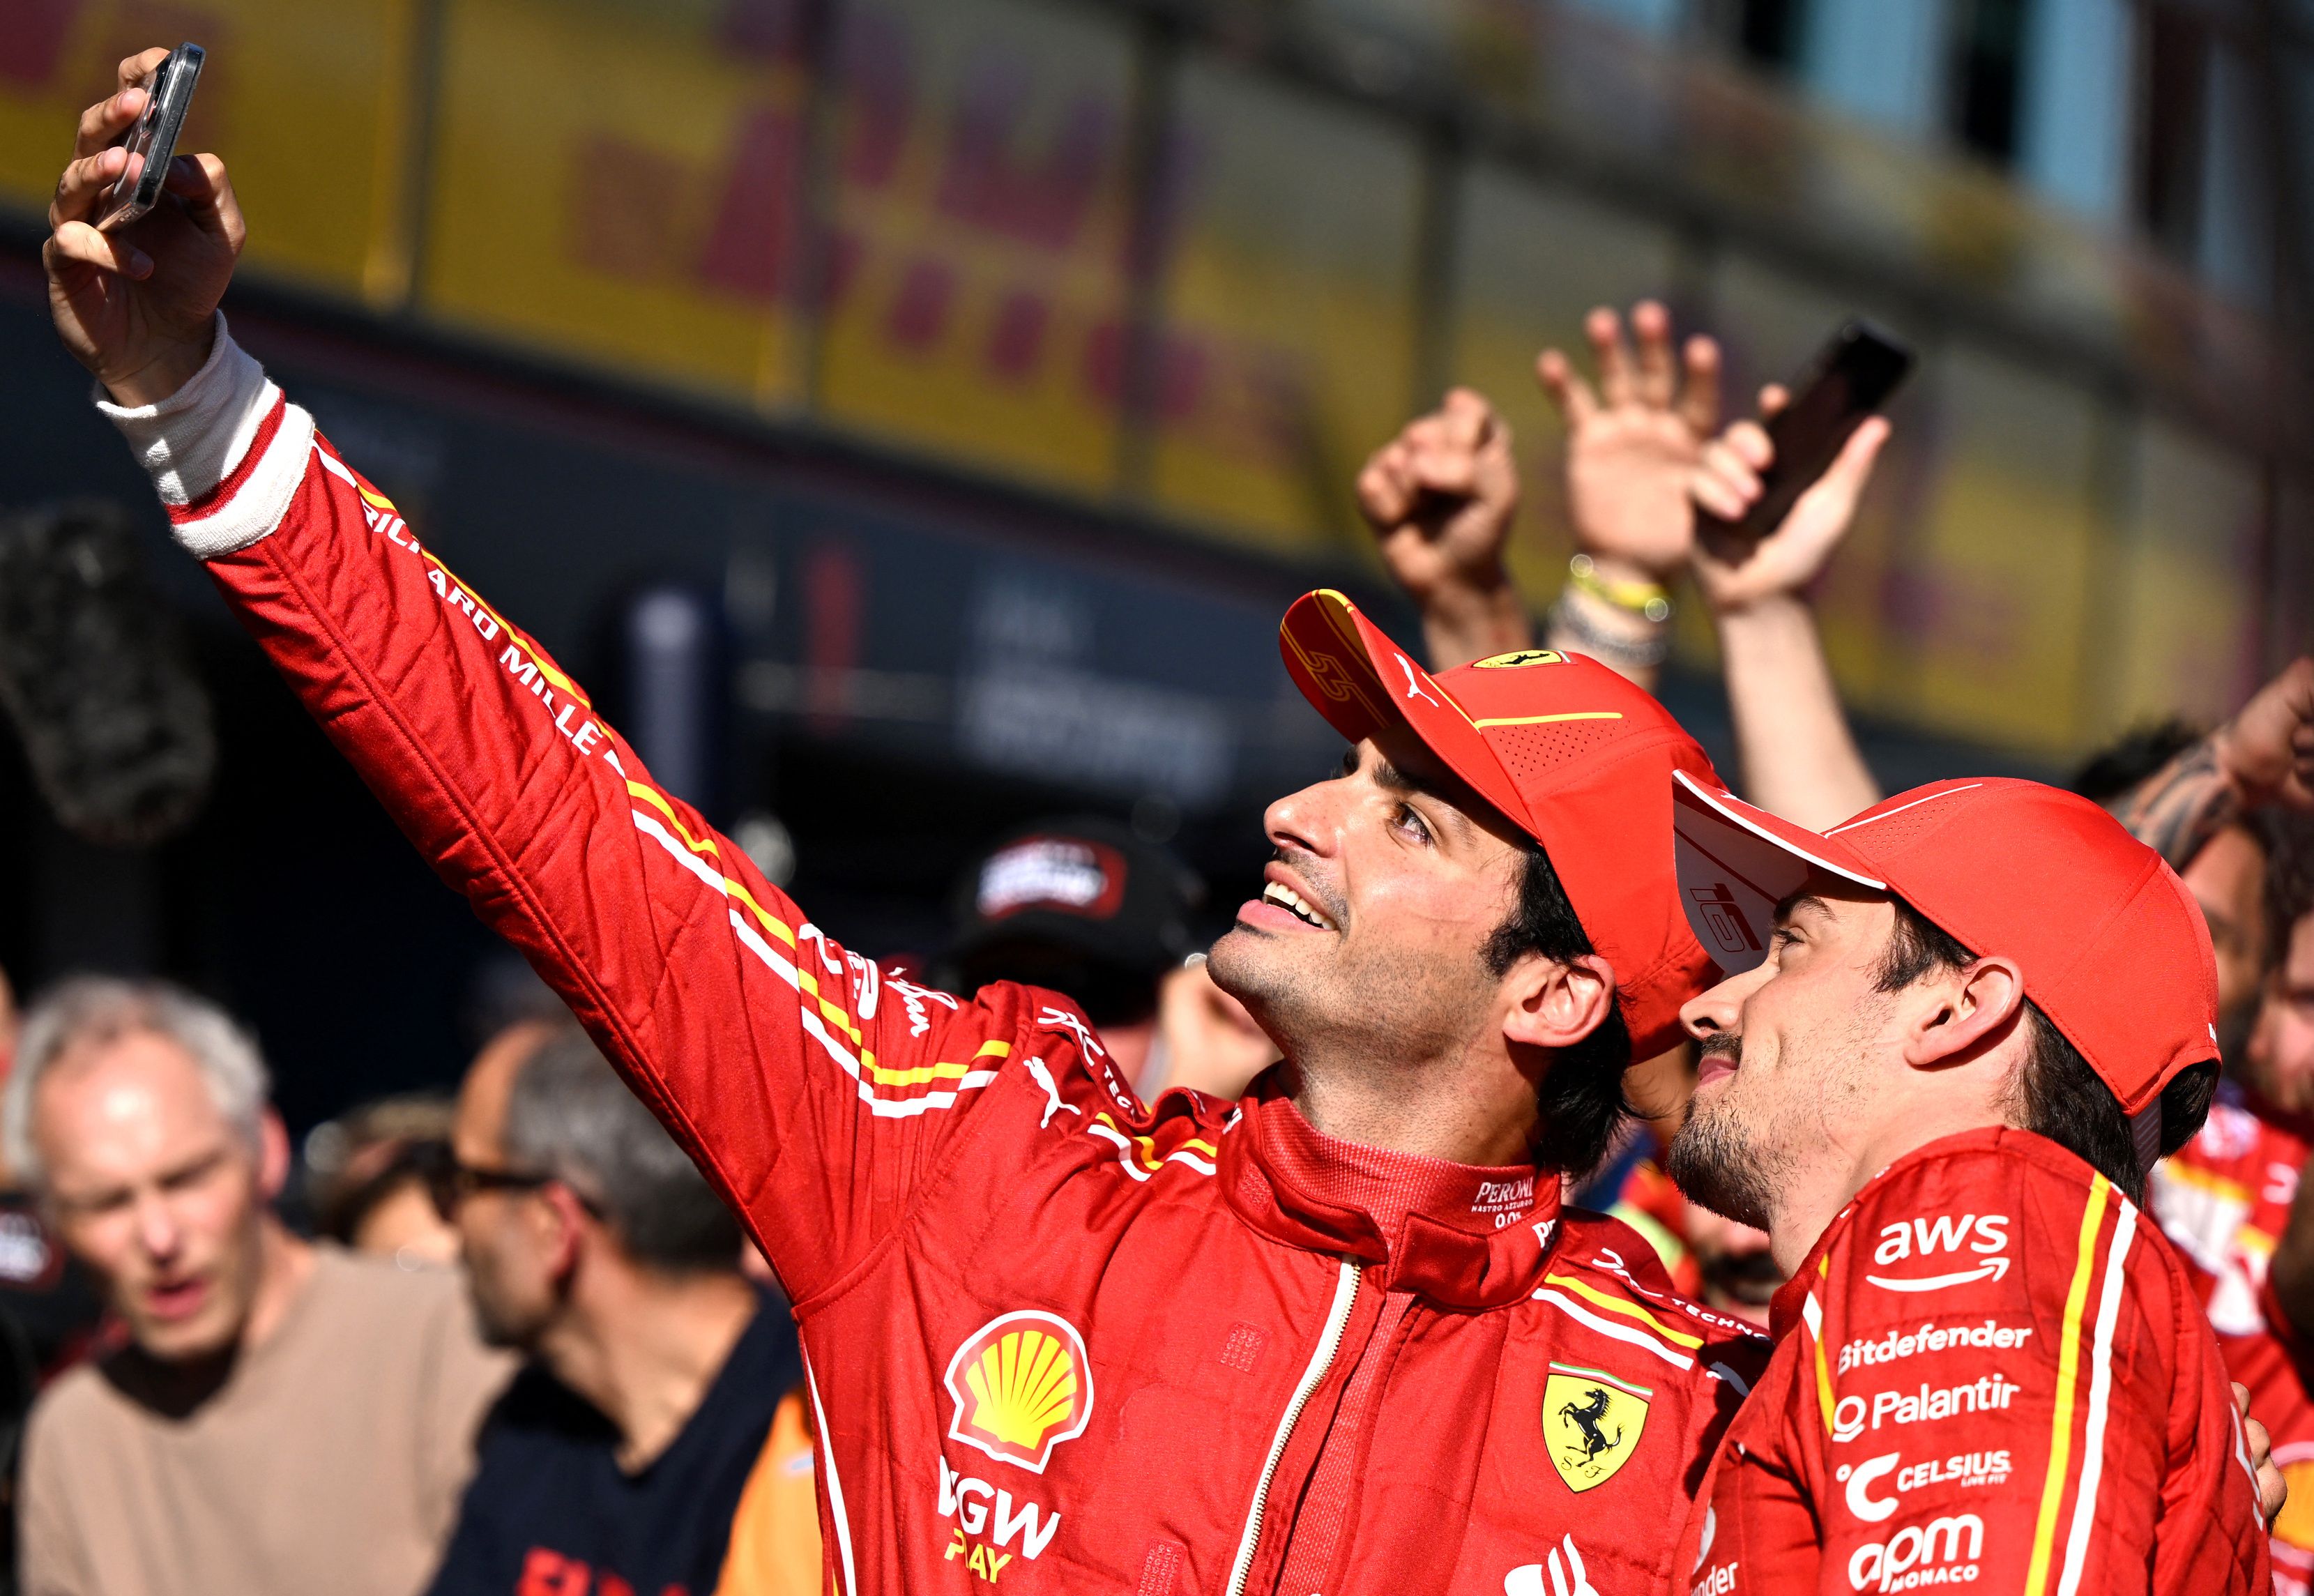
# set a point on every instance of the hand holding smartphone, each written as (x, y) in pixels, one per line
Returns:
(1850, 378)
(152, 140)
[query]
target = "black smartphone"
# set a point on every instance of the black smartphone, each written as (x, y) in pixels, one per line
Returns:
(1850, 378)
(152, 140)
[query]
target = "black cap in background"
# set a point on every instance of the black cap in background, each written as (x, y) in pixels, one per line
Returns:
(1081, 905)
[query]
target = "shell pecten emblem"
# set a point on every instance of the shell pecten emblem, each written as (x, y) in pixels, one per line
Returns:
(1021, 1384)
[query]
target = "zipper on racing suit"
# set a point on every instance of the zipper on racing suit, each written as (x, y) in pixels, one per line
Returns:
(1330, 1342)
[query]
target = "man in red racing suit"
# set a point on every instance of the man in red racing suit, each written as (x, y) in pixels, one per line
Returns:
(2223, 1202)
(1991, 1369)
(1054, 1340)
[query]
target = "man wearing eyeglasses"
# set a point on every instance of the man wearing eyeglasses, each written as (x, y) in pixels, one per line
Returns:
(616, 1460)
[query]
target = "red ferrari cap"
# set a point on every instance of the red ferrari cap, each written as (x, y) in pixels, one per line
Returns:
(1577, 756)
(2115, 950)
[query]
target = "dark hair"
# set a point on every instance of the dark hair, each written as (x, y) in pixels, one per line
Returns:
(2129, 759)
(569, 1116)
(2057, 1093)
(1581, 1095)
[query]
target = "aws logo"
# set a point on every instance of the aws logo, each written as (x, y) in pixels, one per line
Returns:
(1984, 1236)
(1021, 1384)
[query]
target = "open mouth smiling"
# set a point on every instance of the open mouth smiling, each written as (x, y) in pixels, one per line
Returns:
(1293, 903)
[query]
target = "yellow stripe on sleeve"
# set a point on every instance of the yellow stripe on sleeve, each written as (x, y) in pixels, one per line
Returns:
(650, 796)
(1812, 1311)
(2069, 1366)
(1628, 1309)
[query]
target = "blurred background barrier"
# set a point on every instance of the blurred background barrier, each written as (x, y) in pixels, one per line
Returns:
(969, 383)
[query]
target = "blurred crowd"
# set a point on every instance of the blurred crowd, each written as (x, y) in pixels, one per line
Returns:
(516, 1341)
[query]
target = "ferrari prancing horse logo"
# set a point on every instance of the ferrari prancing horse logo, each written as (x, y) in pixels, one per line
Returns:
(1590, 1422)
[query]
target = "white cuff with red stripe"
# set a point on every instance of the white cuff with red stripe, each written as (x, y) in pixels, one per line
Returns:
(225, 452)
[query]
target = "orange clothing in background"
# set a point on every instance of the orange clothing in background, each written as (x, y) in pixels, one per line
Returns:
(774, 1547)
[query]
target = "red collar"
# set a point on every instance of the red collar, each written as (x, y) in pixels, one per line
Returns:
(1464, 1235)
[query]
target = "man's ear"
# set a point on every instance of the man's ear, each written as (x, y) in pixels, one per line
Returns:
(564, 1221)
(1952, 1017)
(272, 1154)
(1555, 1004)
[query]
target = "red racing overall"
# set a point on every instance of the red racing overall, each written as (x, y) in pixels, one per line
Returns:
(1992, 1372)
(2222, 1200)
(1055, 1342)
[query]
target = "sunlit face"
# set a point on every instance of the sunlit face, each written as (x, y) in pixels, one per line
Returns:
(504, 1234)
(156, 1190)
(1784, 1051)
(2279, 1061)
(2228, 878)
(1388, 879)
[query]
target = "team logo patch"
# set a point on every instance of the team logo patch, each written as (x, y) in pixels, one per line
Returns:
(1519, 656)
(1021, 1384)
(1590, 1422)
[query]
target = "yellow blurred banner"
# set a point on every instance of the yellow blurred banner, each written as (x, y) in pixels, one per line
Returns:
(977, 287)
(619, 183)
(632, 185)
(309, 104)
(1289, 351)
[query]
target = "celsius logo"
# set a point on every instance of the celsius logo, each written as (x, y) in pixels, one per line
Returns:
(1962, 1468)
(1021, 1384)
(1985, 1236)
(1861, 1501)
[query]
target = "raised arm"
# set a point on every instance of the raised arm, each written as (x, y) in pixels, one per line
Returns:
(2264, 754)
(1632, 442)
(1441, 497)
(1797, 757)
(813, 1091)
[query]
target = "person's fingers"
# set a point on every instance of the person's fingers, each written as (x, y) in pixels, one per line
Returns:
(135, 69)
(1605, 329)
(79, 241)
(1446, 471)
(1699, 394)
(202, 183)
(1658, 378)
(1749, 441)
(1723, 460)
(2273, 1490)
(83, 182)
(1773, 398)
(105, 122)
(1716, 497)
(1468, 416)
(1852, 468)
(1723, 484)
(1386, 485)
(1568, 394)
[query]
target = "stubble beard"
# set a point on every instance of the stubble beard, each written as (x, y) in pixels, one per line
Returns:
(1716, 1160)
(1351, 1014)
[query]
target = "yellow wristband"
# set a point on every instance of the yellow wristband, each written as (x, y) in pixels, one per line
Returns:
(1640, 598)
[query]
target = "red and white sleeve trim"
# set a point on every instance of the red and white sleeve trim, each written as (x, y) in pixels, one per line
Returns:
(225, 452)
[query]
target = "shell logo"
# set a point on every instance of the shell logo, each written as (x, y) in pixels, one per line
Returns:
(1022, 1385)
